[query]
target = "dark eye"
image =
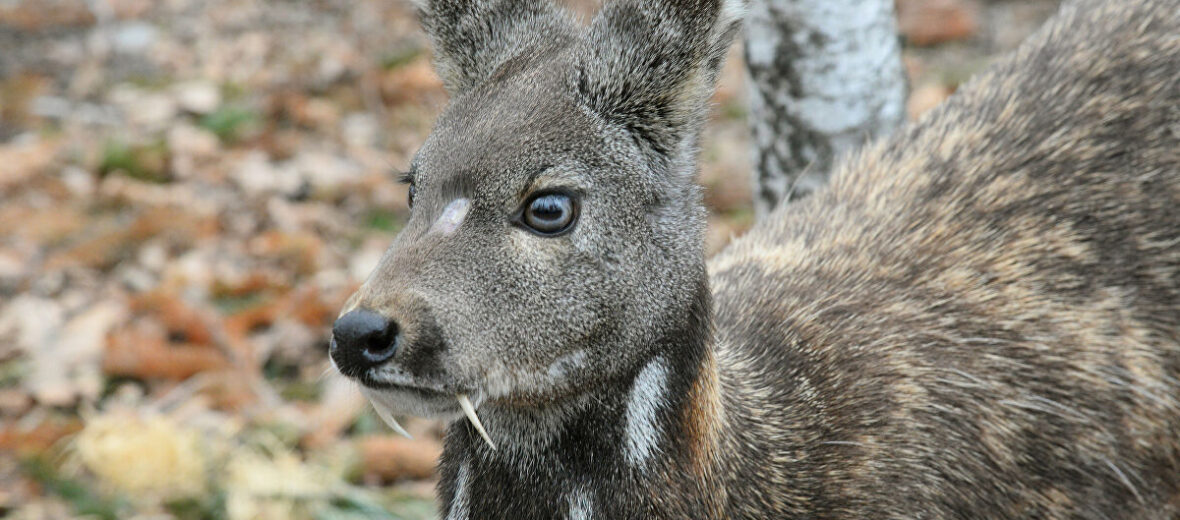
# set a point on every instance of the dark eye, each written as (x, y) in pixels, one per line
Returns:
(413, 191)
(549, 214)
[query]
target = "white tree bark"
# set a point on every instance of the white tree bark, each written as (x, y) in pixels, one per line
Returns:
(824, 77)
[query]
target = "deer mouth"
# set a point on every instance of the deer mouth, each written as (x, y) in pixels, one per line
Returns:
(390, 399)
(420, 391)
(409, 398)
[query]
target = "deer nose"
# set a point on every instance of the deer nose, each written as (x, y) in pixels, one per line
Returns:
(361, 340)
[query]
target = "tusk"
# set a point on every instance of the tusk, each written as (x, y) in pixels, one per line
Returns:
(469, 411)
(383, 412)
(388, 418)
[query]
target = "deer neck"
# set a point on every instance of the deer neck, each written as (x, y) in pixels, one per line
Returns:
(644, 446)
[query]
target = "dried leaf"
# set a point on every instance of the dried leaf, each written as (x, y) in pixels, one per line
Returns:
(390, 458)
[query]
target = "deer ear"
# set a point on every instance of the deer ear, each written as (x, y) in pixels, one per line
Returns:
(474, 38)
(650, 65)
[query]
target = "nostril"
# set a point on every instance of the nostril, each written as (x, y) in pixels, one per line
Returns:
(381, 348)
(363, 338)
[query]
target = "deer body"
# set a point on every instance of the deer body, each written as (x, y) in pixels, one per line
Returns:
(979, 317)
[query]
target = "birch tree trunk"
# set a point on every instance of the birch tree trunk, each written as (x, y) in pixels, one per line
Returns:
(824, 77)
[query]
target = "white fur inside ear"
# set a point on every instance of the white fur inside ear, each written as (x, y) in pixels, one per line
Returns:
(732, 12)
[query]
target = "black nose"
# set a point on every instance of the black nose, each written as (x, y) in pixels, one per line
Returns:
(361, 340)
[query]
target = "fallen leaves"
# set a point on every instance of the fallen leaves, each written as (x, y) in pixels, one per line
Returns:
(48, 225)
(930, 22)
(41, 14)
(388, 458)
(105, 243)
(62, 351)
(414, 81)
(25, 159)
(142, 350)
(925, 97)
(148, 456)
(31, 437)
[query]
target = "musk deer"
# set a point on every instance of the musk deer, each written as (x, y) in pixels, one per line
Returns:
(979, 317)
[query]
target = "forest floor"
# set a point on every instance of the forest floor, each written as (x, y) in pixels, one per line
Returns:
(190, 189)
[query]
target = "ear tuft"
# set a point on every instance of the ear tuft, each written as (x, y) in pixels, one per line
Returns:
(650, 66)
(472, 39)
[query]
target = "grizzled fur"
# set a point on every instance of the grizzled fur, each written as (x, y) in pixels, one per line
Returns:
(980, 317)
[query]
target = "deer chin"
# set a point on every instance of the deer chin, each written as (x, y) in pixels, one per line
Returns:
(395, 400)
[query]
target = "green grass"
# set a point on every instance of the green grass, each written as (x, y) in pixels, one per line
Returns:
(383, 220)
(84, 501)
(400, 57)
(230, 304)
(209, 507)
(734, 109)
(145, 162)
(740, 216)
(229, 123)
(13, 371)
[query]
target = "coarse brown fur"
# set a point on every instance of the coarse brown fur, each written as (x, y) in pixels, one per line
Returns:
(981, 315)
(979, 318)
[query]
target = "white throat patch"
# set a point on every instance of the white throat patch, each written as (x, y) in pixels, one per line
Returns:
(647, 395)
(452, 216)
(580, 505)
(459, 502)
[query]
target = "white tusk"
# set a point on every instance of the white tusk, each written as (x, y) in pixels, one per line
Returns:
(384, 413)
(469, 411)
(388, 418)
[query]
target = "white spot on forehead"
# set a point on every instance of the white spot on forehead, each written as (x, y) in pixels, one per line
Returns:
(452, 216)
(581, 507)
(459, 501)
(647, 394)
(560, 367)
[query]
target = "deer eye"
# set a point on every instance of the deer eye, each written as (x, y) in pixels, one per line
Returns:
(549, 214)
(410, 194)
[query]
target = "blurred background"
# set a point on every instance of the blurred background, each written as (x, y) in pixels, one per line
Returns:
(189, 189)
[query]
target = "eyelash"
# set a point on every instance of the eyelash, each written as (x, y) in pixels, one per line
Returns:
(408, 179)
